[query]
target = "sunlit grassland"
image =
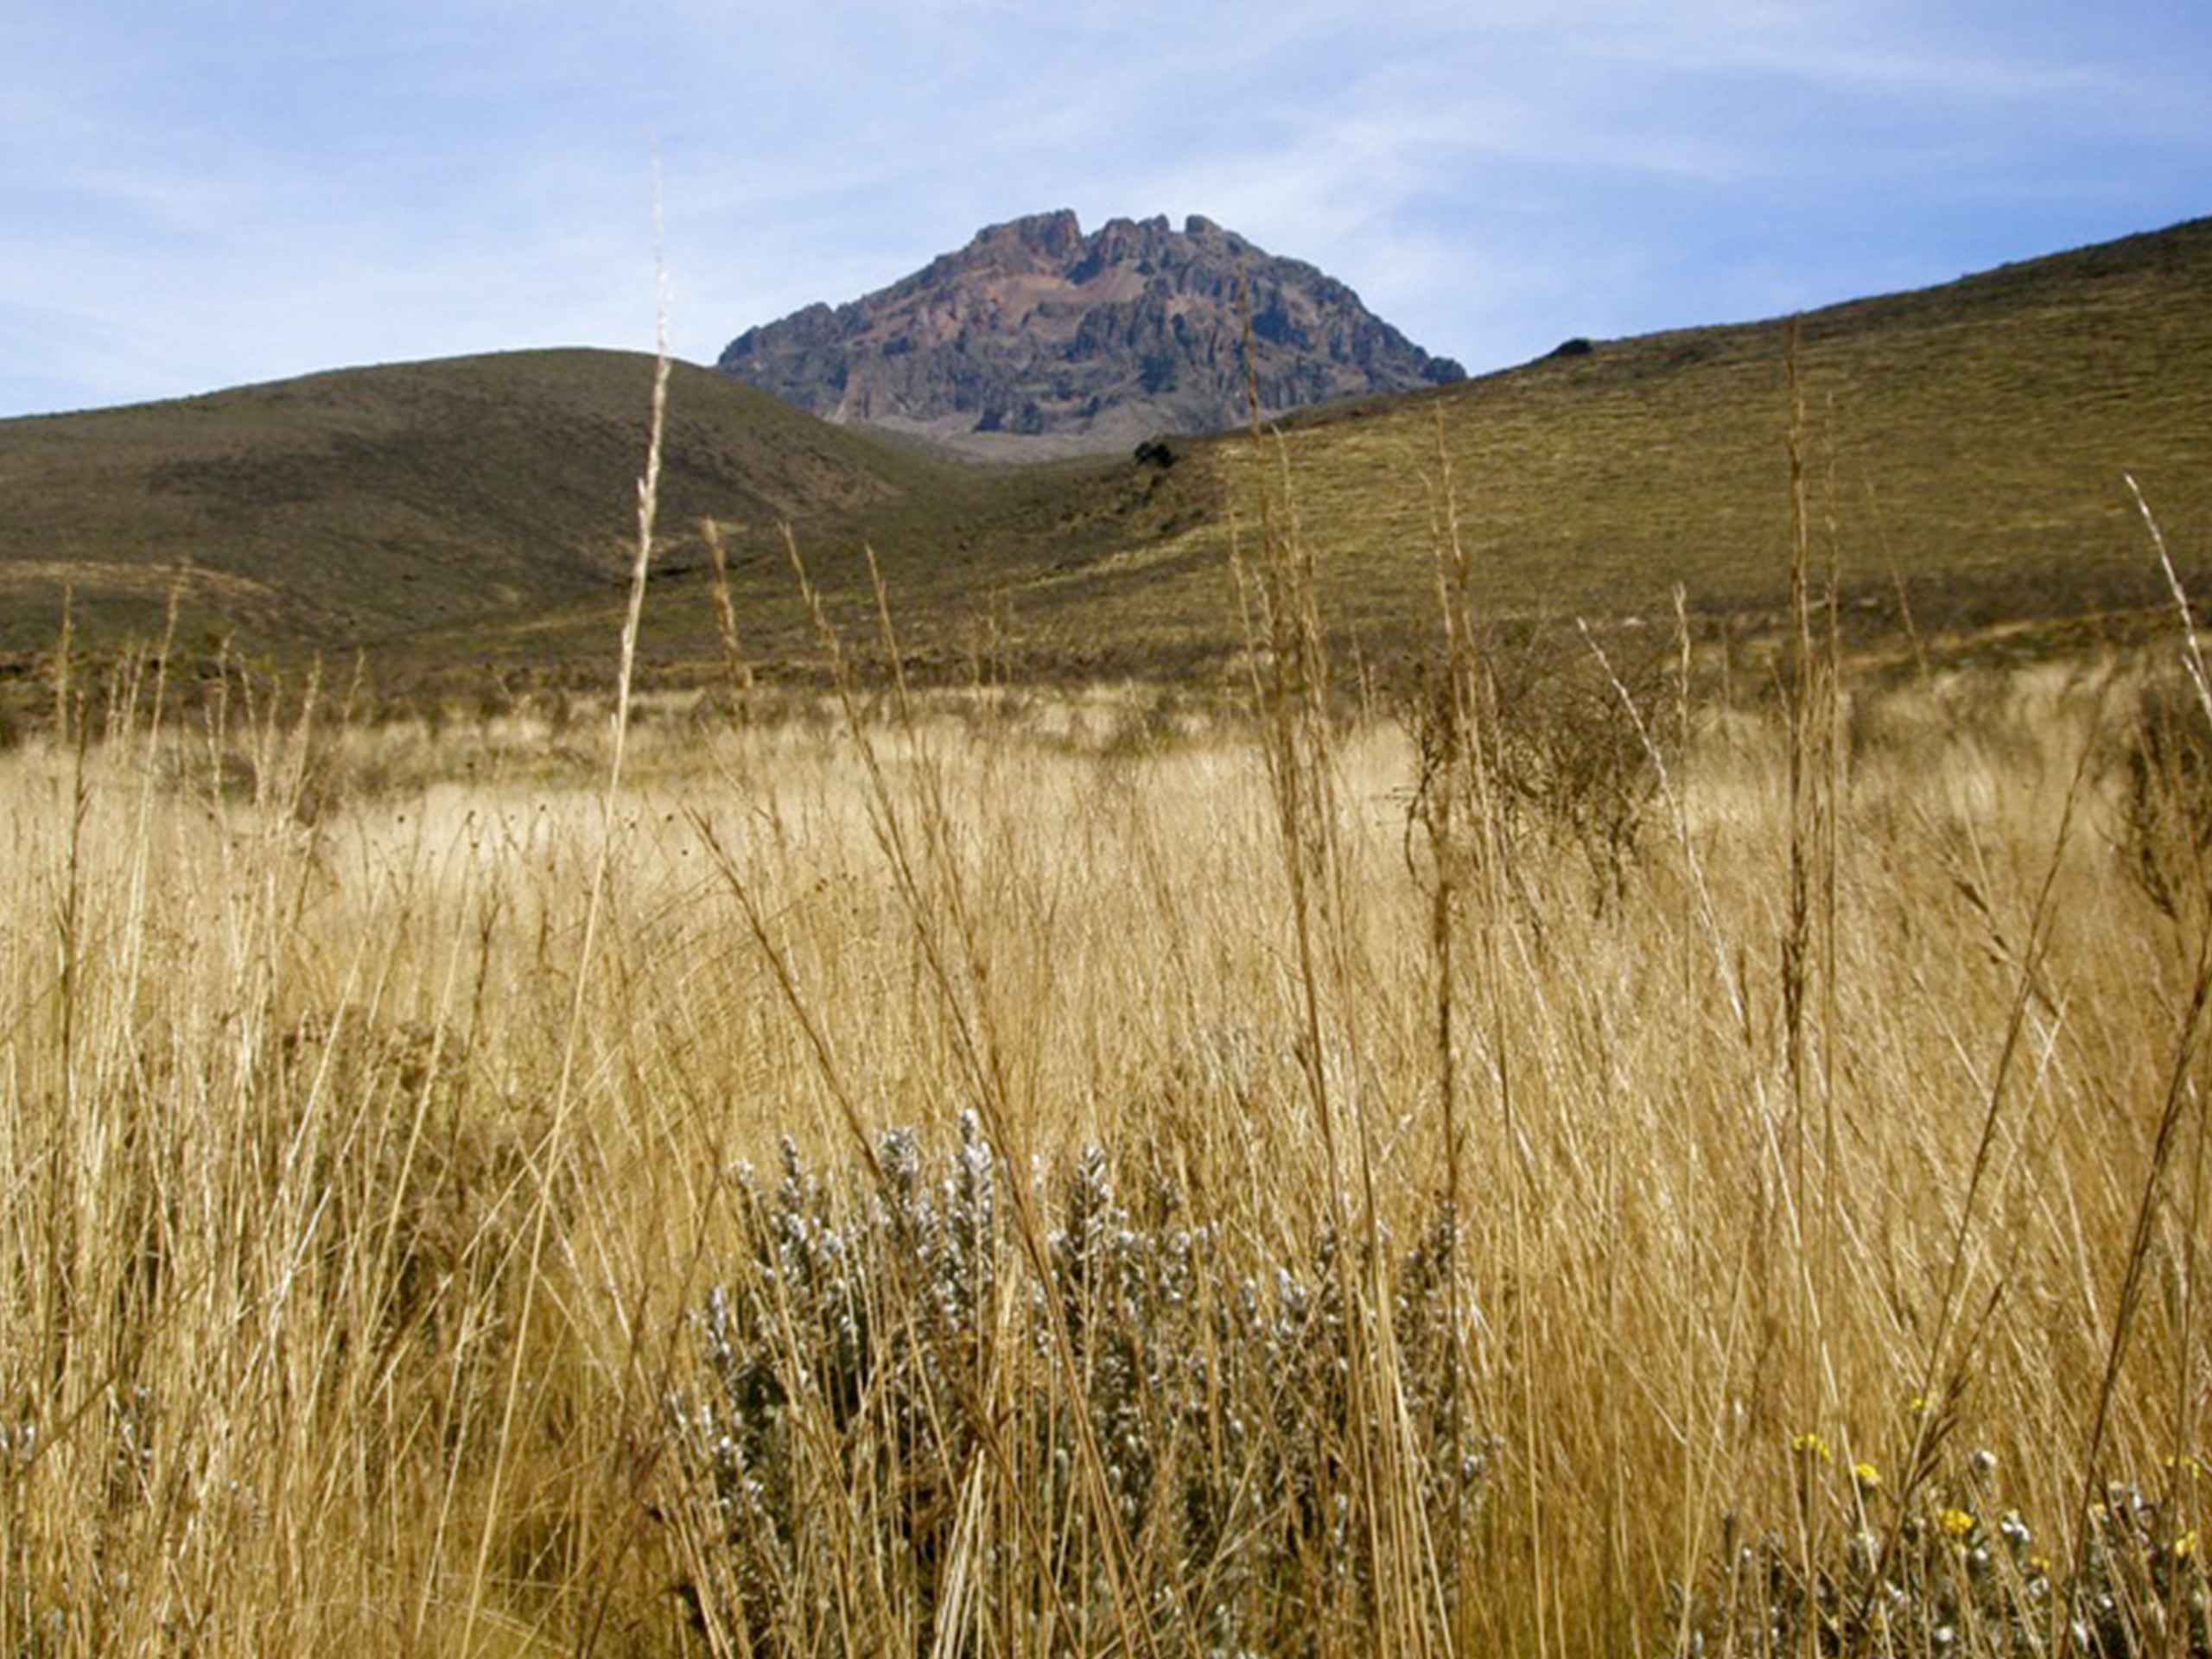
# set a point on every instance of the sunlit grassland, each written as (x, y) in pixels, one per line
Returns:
(1967, 447)
(1409, 1126)
(378, 1104)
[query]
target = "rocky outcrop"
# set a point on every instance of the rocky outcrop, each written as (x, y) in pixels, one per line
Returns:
(1036, 338)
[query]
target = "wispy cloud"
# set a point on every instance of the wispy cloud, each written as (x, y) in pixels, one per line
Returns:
(203, 193)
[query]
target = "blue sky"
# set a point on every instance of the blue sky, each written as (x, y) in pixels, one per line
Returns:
(199, 193)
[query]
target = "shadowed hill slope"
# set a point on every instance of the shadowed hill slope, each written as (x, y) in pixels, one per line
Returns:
(367, 506)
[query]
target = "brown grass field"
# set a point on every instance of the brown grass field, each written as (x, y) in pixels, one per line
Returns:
(1621, 1160)
(1405, 1126)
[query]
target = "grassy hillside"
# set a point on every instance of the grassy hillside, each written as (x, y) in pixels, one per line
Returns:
(468, 496)
(1964, 445)
(1963, 453)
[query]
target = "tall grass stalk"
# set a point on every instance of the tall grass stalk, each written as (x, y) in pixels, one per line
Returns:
(2181, 1089)
(548, 1177)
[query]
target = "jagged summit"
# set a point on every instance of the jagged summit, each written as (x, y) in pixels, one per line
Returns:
(1036, 338)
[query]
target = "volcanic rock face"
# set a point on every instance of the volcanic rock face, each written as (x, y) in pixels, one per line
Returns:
(1036, 339)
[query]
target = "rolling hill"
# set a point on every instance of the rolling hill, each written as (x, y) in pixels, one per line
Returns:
(1966, 453)
(368, 507)
(1966, 449)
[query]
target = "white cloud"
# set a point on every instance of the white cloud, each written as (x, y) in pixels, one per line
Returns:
(238, 184)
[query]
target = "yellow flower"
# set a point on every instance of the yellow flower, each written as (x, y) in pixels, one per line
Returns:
(1957, 1522)
(1811, 1446)
(2185, 1546)
(1866, 1474)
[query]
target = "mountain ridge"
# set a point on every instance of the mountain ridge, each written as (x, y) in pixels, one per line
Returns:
(1036, 338)
(1968, 443)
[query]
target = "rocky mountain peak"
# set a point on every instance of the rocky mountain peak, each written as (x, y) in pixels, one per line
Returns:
(1036, 338)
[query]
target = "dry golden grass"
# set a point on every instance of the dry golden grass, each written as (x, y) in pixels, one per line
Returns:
(352, 1281)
